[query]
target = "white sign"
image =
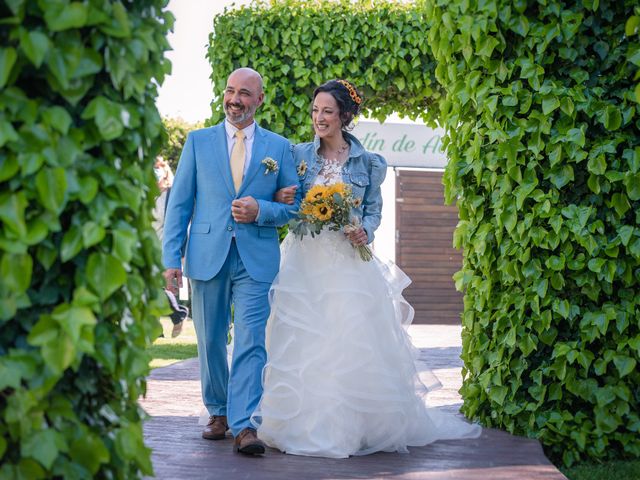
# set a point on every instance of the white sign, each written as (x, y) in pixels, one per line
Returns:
(403, 144)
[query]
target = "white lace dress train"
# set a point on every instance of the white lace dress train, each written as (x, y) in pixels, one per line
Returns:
(340, 378)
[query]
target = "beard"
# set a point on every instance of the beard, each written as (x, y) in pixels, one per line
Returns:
(246, 113)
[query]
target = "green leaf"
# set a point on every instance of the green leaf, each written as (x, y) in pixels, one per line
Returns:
(35, 45)
(16, 272)
(632, 184)
(58, 118)
(12, 207)
(105, 274)
(549, 104)
(71, 243)
(624, 364)
(620, 203)
(119, 25)
(605, 421)
(541, 286)
(498, 393)
(64, 17)
(124, 244)
(597, 165)
(632, 25)
(90, 452)
(7, 133)
(92, 233)
(73, 320)
(51, 185)
(59, 352)
(576, 135)
(612, 118)
(9, 166)
(8, 57)
(561, 176)
(43, 446)
(107, 115)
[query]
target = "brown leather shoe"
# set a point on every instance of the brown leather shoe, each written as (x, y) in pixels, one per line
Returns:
(216, 428)
(247, 442)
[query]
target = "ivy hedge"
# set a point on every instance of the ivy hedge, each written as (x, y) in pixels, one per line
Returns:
(80, 275)
(544, 165)
(299, 44)
(543, 139)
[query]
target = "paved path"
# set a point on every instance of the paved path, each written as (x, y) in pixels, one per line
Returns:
(174, 402)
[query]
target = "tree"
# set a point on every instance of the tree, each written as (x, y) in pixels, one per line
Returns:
(176, 130)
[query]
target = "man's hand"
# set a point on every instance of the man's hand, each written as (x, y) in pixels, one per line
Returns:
(357, 237)
(244, 210)
(286, 195)
(173, 279)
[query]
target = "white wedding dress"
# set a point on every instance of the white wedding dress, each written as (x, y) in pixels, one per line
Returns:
(340, 378)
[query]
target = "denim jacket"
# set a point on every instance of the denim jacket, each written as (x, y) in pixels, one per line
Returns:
(364, 170)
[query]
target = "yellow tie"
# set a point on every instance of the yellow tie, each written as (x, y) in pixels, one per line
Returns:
(237, 159)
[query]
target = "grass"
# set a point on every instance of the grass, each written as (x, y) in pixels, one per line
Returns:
(617, 470)
(167, 350)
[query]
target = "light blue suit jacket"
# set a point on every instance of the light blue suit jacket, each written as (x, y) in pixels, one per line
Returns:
(198, 219)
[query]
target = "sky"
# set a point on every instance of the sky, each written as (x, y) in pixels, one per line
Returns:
(187, 92)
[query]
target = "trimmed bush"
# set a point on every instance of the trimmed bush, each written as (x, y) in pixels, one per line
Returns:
(544, 166)
(297, 45)
(80, 283)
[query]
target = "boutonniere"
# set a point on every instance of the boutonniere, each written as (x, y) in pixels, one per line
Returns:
(270, 165)
(302, 168)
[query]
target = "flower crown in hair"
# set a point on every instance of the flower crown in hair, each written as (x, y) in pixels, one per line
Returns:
(352, 91)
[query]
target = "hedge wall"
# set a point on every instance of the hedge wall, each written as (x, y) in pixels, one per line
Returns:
(544, 165)
(298, 45)
(79, 262)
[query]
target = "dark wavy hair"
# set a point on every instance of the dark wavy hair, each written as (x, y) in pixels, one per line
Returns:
(349, 109)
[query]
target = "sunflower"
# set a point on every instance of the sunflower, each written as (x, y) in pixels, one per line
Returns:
(307, 209)
(322, 211)
(341, 189)
(316, 193)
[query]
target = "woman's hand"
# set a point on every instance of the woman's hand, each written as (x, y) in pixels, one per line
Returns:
(286, 195)
(357, 237)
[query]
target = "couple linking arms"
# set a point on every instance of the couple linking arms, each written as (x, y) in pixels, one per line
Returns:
(340, 378)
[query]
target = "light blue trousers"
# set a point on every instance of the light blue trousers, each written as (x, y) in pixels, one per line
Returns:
(235, 393)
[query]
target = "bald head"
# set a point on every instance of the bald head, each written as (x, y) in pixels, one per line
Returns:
(249, 75)
(242, 96)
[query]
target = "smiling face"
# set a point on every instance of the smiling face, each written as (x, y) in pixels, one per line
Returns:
(242, 97)
(325, 114)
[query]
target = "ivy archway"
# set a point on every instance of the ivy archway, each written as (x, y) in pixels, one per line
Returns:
(544, 147)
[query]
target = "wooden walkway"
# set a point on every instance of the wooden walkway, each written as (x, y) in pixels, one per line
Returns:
(174, 403)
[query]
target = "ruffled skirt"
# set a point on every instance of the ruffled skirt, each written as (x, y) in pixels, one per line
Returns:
(340, 378)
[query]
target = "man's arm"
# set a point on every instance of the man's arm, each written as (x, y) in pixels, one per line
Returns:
(273, 213)
(178, 214)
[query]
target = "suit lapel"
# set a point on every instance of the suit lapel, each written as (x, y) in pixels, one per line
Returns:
(221, 155)
(257, 155)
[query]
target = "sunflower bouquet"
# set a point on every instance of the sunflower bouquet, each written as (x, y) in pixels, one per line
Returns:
(328, 206)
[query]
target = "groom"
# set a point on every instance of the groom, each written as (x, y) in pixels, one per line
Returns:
(221, 212)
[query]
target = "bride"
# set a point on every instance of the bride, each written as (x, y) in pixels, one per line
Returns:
(340, 378)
